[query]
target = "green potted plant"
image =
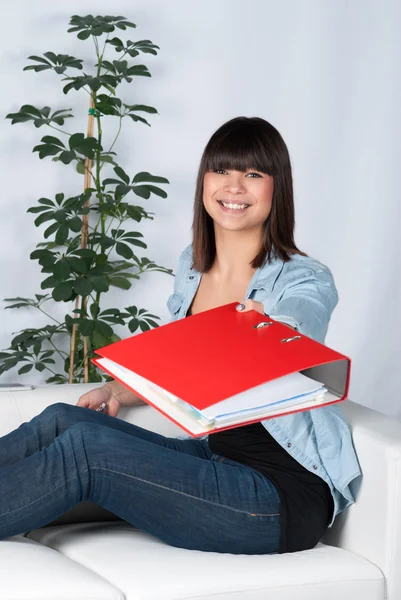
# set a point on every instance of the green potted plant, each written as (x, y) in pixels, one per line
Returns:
(82, 231)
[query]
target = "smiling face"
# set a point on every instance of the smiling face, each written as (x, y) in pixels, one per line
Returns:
(246, 161)
(225, 192)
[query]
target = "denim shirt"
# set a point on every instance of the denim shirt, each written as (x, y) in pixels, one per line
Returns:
(302, 294)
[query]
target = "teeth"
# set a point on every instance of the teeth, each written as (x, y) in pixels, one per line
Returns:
(234, 206)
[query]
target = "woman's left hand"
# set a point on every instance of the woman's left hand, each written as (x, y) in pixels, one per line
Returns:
(251, 305)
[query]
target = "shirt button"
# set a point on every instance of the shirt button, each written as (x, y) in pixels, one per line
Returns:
(289, 445)
(315, 467)
(191, 277)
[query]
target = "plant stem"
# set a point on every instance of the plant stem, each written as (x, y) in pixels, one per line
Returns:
(118, 133)
(104, 47)
(59, 351)
(47, 315)
(51, 370)
(99, 139)
(90, 173)
(87, 364)
(83, 307)
(111, 223)
(58, 129)
(96, 46)
(98, 186)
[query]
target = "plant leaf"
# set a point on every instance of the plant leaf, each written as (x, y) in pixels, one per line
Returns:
(145, 176)
(25, 369)
(86, 326)
(83, 286)
(39, 59)
(120, 282)
(83, 35)
(63, 291)
(122, 174)
(49, 139)
(100, 284)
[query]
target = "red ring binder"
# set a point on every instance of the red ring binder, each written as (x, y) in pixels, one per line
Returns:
(226, 360)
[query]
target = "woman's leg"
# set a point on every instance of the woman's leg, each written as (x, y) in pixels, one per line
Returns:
(41, 431)
(184, 500)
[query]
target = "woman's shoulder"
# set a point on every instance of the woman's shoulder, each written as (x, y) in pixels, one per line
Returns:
(186, 254)
(305, 263)
(298, 268)
(184, 265)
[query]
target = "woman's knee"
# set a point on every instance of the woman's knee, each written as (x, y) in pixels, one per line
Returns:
(84, 432)
(60, 414)
(58, 408)
(83, 439)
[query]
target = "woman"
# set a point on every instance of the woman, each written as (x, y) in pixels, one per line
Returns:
(270, 487)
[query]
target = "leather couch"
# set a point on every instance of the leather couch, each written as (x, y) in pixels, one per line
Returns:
(91, 554)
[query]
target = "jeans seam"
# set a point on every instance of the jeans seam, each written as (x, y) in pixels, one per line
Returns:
(185, 494)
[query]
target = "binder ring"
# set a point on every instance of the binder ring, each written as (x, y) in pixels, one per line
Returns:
(296, 337)
(262, 324)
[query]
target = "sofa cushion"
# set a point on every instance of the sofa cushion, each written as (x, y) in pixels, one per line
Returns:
(32, 570)
(144, 568)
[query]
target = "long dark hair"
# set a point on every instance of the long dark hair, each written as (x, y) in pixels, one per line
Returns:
(240, 144)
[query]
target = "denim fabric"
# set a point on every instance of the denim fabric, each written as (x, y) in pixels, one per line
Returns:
(176, 490)
(300, 293)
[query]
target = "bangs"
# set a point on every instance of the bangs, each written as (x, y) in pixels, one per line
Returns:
(239, 149)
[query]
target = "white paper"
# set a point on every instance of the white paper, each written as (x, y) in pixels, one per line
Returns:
(266, 394)
(291, 388)
(197, 423)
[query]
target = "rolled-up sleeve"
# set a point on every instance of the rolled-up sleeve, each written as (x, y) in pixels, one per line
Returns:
(307, 304)
(175, 300)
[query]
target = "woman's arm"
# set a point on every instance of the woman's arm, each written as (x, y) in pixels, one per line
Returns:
(305, 303)
(124, 396)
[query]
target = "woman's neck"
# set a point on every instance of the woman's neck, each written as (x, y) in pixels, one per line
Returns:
(234, 255)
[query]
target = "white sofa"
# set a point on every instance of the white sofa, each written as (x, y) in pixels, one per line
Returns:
(91, 554)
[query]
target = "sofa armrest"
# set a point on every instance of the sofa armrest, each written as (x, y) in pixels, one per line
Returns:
(19, 407)
(372, 526)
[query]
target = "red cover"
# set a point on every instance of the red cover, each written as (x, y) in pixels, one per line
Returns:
(216, 354)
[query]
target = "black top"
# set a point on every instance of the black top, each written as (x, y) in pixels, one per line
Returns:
(306, 503)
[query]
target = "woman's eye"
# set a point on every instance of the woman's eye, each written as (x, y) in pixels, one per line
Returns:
(223, 171)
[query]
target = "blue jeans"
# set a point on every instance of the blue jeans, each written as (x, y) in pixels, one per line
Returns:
(176, 490)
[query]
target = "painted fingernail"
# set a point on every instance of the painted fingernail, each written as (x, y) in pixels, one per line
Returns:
(240, 306)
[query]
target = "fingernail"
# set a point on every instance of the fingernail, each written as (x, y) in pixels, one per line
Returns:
(240, 306)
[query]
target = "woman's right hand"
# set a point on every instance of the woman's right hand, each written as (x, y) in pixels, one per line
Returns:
(95, 398)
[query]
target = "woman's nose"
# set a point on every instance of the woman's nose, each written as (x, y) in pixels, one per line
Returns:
(235, 183)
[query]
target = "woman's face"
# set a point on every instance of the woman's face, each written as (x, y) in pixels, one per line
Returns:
(237, 188)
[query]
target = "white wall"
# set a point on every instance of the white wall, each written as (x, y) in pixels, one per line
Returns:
(325, 74)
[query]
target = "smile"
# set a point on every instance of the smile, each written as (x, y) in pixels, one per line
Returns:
(231, 207)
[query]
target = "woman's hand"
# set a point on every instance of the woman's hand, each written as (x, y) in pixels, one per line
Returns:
(251, 305)
(258, 306)
(96, 397)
